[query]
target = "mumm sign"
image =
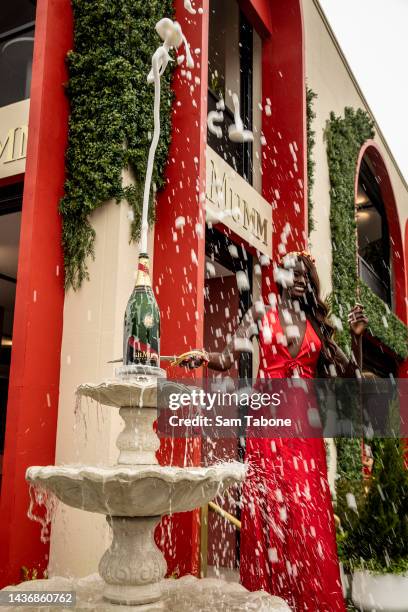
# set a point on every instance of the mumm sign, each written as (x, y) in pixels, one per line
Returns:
(235, 203)
(13, 138)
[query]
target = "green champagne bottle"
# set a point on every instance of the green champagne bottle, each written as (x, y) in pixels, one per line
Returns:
(141, 338)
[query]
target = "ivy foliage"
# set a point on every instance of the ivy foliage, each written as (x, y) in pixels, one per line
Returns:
(383, 324)
(311, 164)
(111, 118)
(379, 538)
(349, 458)
(345, 136)
(349, 481)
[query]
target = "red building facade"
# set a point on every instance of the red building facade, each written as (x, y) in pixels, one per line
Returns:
(34, 376)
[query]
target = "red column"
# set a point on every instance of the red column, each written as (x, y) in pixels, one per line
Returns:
(403, 367)
(179, 265)
(284, 169)
(284, 178)
(35, 365)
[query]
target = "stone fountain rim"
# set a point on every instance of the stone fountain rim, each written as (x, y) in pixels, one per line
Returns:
(171, 474)
(150, 383)
(130, 393)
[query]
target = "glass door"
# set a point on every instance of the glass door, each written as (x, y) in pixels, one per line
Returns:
(10, 219)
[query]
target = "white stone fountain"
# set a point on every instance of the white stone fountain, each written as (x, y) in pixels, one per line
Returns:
(134, 495)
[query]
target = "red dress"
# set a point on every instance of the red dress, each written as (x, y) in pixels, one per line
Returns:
(288, 543)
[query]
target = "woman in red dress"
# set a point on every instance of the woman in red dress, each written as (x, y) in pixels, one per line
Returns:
(288, 544)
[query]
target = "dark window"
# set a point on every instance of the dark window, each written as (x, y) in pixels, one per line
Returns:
(230, 70)
(16, 50)
(246, 99)
(228, 259)
(10, 217)
(378, 360)
(373, 235)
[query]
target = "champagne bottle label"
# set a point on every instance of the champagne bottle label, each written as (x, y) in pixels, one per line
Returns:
(139, 352)
(143, 268)
(141, 342)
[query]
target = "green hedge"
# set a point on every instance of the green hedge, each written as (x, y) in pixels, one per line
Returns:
(311, 164)
(111, 118)
(383, 324)
(345, 136)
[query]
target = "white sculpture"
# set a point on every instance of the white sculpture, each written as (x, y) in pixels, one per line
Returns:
(172, 36)
(189, 7)
(236, 132)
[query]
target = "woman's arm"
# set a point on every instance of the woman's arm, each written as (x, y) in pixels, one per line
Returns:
(350, 368)
(239, 343)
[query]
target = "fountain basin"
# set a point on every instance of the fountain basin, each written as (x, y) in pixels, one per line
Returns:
(118, 393)
(182, 595)
(131, 388)
(136, 491)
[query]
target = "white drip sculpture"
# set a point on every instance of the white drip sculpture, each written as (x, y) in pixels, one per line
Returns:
(236, 132)
(172, 36)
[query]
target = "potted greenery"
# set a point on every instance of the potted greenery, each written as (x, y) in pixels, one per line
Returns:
(349, 496)
(376, 546)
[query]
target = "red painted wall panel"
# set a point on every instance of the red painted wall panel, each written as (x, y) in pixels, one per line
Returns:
(179, 266)
(259, 13)
(284, 179)
(35, 365)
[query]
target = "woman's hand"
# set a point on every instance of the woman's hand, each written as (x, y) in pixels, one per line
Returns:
(192, 359)
(357, 320)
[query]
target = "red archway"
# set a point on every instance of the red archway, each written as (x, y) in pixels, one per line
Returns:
(372, 151)
(404, 366)
(406, 260)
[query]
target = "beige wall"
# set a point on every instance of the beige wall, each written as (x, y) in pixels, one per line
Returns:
(328, 75)
(92, 335)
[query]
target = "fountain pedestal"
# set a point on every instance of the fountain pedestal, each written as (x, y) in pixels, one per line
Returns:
(133, 566)
(136, 443)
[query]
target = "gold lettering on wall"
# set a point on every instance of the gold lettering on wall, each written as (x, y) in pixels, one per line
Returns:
(13, 138)
(14, 145)
(246, 212)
